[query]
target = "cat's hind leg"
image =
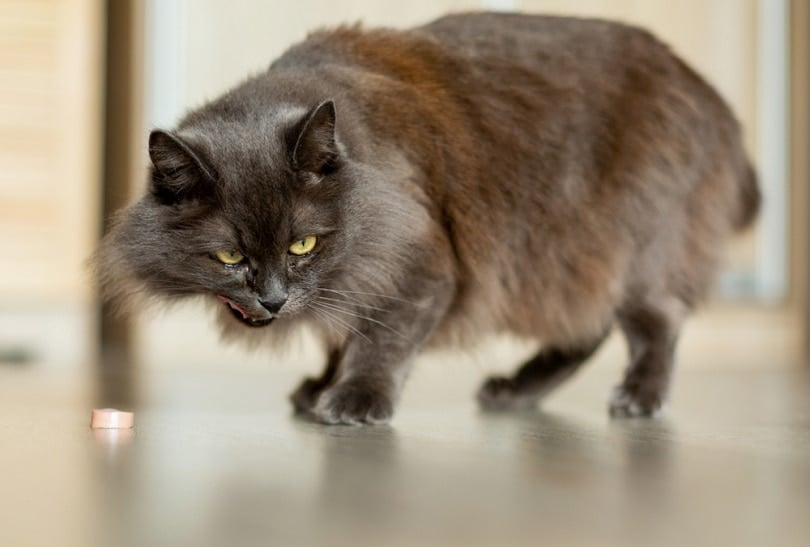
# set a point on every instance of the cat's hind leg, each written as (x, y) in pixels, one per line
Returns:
(652, 331)
(537, 377)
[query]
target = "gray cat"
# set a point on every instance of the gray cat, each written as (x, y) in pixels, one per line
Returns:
(398, 190)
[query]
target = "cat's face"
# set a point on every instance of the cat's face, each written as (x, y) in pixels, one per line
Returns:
(268, 258)
(253, 224)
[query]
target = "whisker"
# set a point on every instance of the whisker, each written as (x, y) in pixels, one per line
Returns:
(360, 316)
(332, 322)
(325, 298)
(346, 293)
(339, 320)
(348, 297)
(320, 315)
(324, 318)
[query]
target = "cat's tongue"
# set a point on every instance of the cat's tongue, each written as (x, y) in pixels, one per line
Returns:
(233, 305)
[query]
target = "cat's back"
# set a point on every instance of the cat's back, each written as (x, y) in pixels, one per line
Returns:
(478, 29)
(575, 42)
(468, 54)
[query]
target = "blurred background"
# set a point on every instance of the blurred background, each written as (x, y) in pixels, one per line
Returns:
(215, 458)
(83, 81)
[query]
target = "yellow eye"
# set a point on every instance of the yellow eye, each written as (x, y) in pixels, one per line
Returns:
(230, 257)
(303, 246)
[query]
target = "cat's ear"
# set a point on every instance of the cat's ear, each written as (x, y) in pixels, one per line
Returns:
(178, 172)
(316, 149)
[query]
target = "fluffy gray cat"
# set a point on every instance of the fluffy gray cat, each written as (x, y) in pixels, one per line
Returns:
(399, 190)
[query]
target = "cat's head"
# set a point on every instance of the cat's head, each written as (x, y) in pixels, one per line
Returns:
(247, 213)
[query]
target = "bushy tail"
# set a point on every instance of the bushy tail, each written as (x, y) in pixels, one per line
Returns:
(750, 197)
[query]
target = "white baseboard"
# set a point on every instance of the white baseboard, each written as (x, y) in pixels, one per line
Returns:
(60, 336)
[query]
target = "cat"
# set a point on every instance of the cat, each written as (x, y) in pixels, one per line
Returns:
(399, 190)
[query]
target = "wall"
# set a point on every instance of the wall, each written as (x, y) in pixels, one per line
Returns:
(50, 108)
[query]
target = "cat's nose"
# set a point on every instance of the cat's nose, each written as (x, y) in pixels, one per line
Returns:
(274, 304)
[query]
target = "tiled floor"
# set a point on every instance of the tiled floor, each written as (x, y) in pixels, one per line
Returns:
(216, 459)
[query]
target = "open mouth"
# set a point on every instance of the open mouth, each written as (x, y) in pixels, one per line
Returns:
(237, 311)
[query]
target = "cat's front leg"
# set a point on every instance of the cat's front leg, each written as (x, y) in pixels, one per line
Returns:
(377, 357)
(359, 400)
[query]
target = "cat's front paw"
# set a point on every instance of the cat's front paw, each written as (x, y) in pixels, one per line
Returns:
(499, 393)
(355, 402)
(636, 400)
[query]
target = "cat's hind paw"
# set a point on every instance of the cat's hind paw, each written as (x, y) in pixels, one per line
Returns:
(635, 402)
(499, 393)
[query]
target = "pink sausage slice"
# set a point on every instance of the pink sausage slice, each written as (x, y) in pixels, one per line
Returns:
(110, 418)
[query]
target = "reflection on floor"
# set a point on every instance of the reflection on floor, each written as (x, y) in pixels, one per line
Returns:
(216, 459)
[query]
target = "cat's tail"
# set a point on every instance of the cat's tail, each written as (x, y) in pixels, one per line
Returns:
(750, 196)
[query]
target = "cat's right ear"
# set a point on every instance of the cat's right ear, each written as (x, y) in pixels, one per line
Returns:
(178, 173)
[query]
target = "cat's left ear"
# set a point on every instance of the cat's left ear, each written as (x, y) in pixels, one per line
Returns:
(316, 149)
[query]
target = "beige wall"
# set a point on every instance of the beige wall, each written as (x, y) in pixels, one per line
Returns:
(50, 111)
(50, 155)
(800, 164)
